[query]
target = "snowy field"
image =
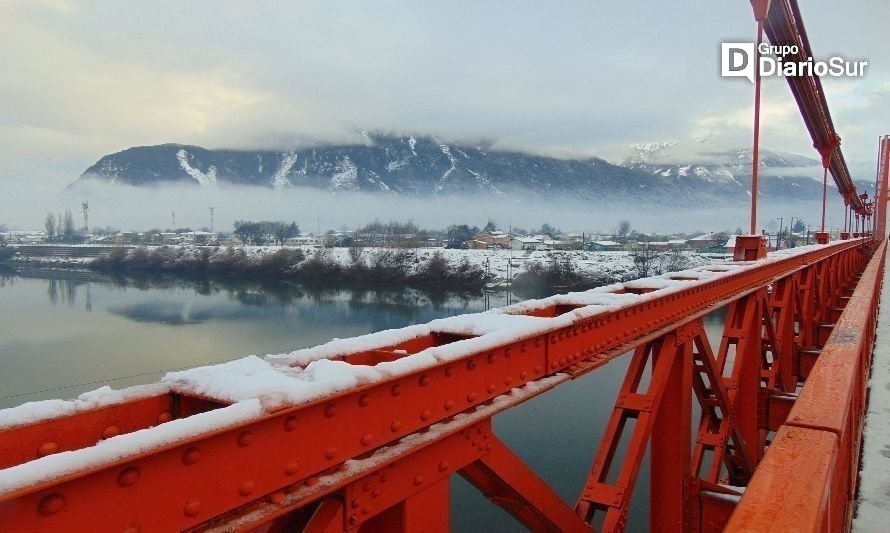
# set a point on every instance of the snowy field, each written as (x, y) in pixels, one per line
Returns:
(503, 264)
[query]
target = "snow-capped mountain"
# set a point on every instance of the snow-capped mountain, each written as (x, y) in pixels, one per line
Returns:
(426, 166)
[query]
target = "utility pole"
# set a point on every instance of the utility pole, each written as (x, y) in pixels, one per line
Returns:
(779, 234)
(211, 218)
(173, 218)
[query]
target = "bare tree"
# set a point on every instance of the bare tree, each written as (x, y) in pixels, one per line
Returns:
(50, 225)
(646, 260)
(624, 228)
(68, 229)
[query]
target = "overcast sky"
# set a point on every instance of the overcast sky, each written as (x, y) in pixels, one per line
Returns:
(83, 79)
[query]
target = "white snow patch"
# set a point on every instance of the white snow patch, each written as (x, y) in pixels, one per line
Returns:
(453, 160)
(204, 179)
(33, 412)
(346, 177)
(279, 179)
(111, 450)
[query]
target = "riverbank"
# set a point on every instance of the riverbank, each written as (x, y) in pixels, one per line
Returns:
(434, 268)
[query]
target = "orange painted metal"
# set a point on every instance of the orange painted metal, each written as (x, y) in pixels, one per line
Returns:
(309, 466)
(790, 489)
(816, 450)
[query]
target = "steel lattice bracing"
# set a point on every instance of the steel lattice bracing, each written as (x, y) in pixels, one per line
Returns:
(343, 462)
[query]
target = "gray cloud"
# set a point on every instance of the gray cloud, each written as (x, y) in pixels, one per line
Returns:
(587, 78)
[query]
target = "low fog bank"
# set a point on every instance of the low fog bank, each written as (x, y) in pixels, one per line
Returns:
(135, 208)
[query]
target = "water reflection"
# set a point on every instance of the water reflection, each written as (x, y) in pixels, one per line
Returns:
(65, 333)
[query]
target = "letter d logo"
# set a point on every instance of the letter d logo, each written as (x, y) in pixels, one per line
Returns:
(737, 60)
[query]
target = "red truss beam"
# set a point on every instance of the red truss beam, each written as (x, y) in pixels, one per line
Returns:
(784, 26)
(343, 463)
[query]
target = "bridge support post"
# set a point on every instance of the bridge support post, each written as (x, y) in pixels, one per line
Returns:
(671, 448)
(749, 248)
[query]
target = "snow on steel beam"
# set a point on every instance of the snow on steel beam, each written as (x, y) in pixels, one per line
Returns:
(784, 27)
(223, 435)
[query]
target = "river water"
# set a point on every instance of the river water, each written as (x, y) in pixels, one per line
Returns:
(64, 333)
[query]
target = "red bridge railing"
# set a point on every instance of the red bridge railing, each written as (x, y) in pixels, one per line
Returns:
(258, 445)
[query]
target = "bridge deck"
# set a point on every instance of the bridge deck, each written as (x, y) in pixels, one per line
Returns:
(873, 513)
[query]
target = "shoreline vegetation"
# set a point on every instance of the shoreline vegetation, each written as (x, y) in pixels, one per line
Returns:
(376, 268)
(360, 267)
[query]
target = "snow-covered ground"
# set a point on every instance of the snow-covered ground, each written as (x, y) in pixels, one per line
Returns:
(503, 264)
(873, 511)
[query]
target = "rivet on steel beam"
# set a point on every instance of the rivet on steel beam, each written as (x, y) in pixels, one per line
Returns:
(449, 405)
(364, 400)
(165, 416)
(51, 504)
(488, 446)
(443, 466)
(491, 358)
(290, 423)
(384, 477)
(277, 497)
(128, 476)
(395, 426)
(508, 381)
(508, 352)
(192, 507)
(291, 468)
(449, 371)
(553, 340)
(490, 388)
(330, 453)
(366, 509)
(111, 431)
(424, 380)
(342, 467)
(562, 361)
(523, 374)
(246, 488)
(47, 448)
(538, 370)
(471, 364)
(479, 429)
(330, 410)
(367, 438)
(425, 414)
(538, 342)
(191, 456)
(352, 519)
(356, 503)
(312, 481)
(522, 348)
(396, 390)
(418, 479)
(245, 438)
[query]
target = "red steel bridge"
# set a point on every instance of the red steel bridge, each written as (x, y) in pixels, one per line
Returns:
(363, 434)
